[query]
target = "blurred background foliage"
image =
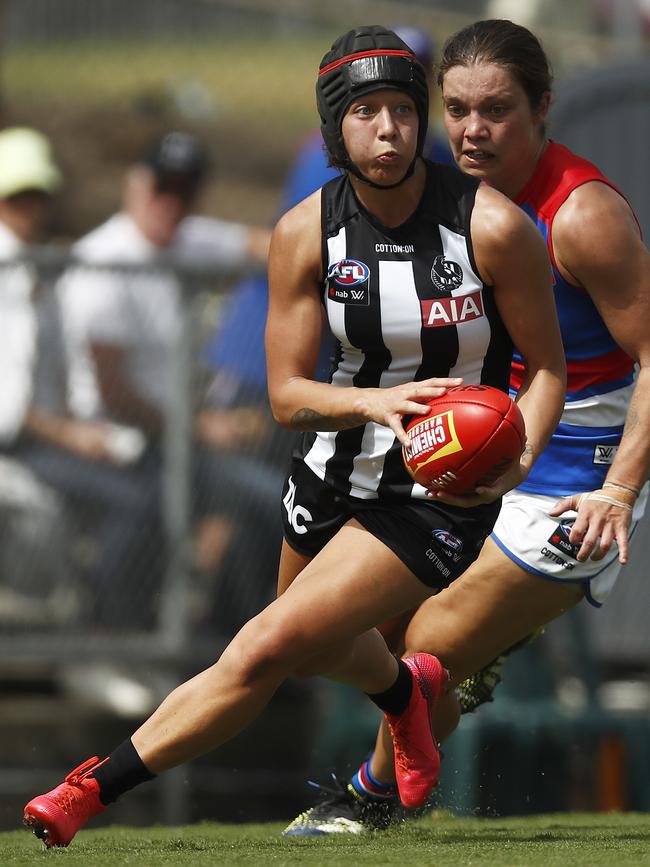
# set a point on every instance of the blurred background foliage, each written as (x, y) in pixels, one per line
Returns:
(102, 78)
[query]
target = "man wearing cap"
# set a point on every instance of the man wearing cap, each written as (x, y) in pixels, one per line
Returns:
(28, 179)
(56, 467)
(123, 326)
(32, 553)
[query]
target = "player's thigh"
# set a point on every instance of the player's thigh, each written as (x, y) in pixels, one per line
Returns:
(492, 606)
(292, 564)
(350, 586)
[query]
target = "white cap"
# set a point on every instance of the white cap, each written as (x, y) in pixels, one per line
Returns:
(26, 163)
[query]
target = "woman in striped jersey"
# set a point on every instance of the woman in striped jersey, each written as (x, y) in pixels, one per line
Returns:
(426, 278)
(496, 87)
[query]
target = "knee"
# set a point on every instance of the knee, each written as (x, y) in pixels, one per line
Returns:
(441, 634)
(261, 650)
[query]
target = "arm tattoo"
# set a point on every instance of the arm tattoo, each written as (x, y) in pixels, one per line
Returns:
(310, 419)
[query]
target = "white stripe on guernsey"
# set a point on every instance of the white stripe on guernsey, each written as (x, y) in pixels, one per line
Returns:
(473, 336)
(599, 410)
(324, 445)
(401, 318)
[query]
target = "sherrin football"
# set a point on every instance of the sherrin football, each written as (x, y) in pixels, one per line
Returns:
(471, 436)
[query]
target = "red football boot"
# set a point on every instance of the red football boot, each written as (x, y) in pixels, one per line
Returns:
(417, 760)
(57, 816)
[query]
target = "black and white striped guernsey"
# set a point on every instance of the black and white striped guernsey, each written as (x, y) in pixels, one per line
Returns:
(403, 304)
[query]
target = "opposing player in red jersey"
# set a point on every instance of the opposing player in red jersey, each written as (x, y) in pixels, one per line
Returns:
(357, 531)
(496, 90)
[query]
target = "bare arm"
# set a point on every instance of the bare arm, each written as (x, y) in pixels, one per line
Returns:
(293, 334)
(512, 253)
(512, 257)
(597, 245)
(123, 403)
(88, 439)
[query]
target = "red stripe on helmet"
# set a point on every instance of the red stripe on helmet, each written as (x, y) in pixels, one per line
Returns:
(393, 52)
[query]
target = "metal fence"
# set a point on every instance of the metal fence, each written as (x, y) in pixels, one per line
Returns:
(215, 467)
(121, 571)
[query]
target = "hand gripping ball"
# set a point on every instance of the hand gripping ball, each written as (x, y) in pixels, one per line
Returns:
(472, 435)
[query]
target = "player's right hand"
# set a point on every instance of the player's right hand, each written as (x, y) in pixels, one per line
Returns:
(388, 406)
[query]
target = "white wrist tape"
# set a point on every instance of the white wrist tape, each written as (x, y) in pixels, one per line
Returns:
(603, 498)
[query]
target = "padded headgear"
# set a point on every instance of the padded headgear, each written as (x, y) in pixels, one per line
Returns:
(362, 60)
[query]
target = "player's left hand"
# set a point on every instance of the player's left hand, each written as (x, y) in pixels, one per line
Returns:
(603, 517)
(483, 493)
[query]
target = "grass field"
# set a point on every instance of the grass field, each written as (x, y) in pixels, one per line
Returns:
(578, 840)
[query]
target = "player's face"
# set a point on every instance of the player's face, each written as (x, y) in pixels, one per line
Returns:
(380, 131)
(493, 131)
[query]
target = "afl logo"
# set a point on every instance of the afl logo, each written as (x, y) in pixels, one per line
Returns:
(348, 272)
(560, 538)
(444, 537)
(445, 274)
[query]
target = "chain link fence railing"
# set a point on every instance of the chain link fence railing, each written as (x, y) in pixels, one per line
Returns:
(161, 531)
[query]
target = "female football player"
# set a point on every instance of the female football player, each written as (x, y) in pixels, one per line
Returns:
(496, 89)
(369, 249)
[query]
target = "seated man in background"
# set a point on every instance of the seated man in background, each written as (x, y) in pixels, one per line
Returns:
(33, 553)
(124, 326)
(58, 467)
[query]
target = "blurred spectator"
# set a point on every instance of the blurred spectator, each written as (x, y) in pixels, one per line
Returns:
(626, 19)
(55, 467)
(32, 535)
(123, 327)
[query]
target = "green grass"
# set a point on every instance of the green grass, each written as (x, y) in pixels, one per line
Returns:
(567, 840)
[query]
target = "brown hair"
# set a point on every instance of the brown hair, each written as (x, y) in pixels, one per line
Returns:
(503, 43)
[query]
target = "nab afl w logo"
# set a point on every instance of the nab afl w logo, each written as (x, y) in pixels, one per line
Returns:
(349, 272)
(445, 274)
(348, 282)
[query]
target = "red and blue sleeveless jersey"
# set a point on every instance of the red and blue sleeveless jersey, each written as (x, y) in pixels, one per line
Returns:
(600, 374)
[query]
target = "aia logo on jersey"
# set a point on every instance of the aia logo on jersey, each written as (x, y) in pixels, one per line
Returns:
(559, 539)
(452, 311)
(348, 272)
(445, 274)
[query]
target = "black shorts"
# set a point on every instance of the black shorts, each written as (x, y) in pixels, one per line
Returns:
(435, 541)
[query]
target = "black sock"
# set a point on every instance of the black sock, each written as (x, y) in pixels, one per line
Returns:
(395, 699)
(123, 770)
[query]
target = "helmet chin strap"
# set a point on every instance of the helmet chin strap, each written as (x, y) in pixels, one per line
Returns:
(351, 167)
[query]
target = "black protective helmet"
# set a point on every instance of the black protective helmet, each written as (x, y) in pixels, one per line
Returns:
(362, 60)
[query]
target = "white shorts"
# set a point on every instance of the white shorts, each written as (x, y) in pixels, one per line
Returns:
(540, 544)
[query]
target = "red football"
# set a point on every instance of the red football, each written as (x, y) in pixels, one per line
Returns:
(471, 436)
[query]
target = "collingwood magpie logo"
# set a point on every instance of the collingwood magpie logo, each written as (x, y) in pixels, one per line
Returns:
(445, 274)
